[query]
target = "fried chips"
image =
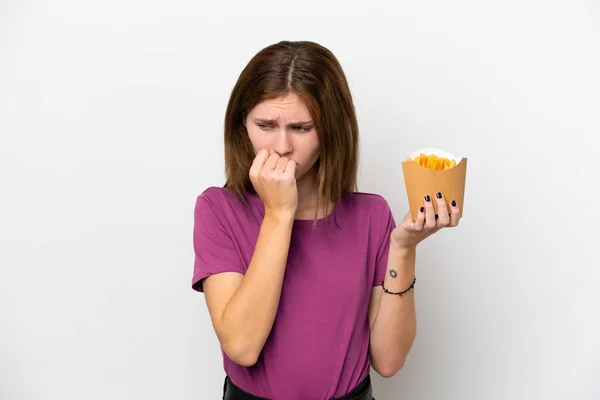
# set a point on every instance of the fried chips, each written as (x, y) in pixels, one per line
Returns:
(433, 162)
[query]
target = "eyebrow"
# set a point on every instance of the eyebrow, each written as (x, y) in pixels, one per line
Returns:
(273, 121)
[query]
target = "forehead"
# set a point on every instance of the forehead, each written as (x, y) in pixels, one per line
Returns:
(287, 106)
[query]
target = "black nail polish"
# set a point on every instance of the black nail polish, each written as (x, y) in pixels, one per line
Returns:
(427, 198)
(453, 203)
(436, 216)
(438, 195)
(422, 209)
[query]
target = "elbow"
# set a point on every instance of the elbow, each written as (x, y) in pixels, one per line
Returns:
(244, 359)
(239, 346)
(389, 370)
(245, 356)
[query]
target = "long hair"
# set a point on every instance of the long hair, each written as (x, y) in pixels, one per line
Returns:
(315, 75)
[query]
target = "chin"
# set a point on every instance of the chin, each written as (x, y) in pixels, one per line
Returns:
(303, 174)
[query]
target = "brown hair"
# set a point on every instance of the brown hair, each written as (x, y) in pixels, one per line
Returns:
(313, 73)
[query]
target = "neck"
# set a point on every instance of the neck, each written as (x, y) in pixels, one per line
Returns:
(307, 197)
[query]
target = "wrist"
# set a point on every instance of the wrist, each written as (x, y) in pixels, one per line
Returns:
(406, 252)
(278, 216)
(398, 242)
(404, 260)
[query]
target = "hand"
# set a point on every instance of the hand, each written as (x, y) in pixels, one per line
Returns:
(408, 234)
(274, 179)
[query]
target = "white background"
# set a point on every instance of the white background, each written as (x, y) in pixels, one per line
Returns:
(111, 124)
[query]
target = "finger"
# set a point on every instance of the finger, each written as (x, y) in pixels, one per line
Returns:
(408, 223)
(270, 163)
(455, 213)
(429, 214)
(261, 157)
(420, 221)
(258, 162)
(443, 215)
(281, 164)
(290, 169)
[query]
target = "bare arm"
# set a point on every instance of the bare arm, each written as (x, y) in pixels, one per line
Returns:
(392, 318)
(243, 307)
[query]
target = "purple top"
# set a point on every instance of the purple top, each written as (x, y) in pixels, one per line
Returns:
(319, 345)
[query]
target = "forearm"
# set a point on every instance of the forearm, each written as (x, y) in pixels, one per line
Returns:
(250, 313)
(394, 328)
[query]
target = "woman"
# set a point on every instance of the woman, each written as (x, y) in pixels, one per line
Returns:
(307, 281)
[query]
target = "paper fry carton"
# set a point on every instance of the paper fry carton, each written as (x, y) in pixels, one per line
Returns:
(421, 180)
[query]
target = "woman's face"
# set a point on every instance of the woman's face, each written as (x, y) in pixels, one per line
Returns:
(285, 126)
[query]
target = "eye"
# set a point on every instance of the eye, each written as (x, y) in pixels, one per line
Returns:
(302, 128)
(263, 126)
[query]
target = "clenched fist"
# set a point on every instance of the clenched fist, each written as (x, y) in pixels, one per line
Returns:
(274, 179)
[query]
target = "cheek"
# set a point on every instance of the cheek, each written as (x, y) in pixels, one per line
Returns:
(309, 154)
(257, 139)
(313, 144)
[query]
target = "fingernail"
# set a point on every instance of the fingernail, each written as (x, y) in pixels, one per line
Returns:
(427, 198)
(436, 216)
(453, 203)
(422, 209)
(438, 195)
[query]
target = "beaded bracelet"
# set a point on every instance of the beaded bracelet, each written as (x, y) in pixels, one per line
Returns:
(399, 293)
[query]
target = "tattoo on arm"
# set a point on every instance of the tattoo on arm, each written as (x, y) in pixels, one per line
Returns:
(393, 273)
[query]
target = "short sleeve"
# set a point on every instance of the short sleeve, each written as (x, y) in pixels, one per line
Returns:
(386, 226)
(214, 249)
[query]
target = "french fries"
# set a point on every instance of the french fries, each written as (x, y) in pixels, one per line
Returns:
(433, 162)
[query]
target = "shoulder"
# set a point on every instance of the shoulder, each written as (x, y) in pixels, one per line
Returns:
(371, 214)
(365, 211)
(217, 198)
(371, 203)
(215, 194)
(223, 204)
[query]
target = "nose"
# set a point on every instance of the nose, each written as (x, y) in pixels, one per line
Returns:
(283, 144)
